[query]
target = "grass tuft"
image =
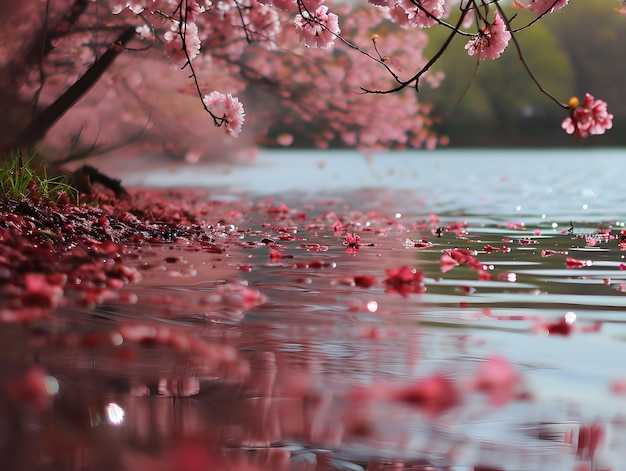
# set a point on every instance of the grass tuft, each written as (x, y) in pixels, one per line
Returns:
(19, 179)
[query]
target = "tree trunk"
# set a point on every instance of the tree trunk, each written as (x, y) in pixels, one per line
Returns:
(40, 125)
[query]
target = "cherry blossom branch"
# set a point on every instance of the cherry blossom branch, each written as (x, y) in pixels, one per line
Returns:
(182, 34)
(520, 55)
(440, 22)
(243, 23)
(380, 59)
(429, 64)
(538, 18)
(481, 17)
(310, 18)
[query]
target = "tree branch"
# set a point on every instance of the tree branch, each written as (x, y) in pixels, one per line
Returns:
(415, 79)
(521, 58)
(40, 125)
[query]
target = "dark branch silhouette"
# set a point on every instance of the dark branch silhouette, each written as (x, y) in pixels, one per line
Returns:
(40, 125)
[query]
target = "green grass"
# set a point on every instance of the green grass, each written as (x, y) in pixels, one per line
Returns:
(20, 179)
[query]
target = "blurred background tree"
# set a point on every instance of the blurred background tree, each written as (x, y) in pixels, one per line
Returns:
(301, 95)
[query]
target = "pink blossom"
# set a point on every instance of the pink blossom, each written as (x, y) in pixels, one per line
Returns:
(461, 257)
(563, 326)
(541, 7)
(571, 262)
(447, 263)
(42, 290)
(285, 139)
(404, 280)
(490, 248)
(283, 5)
(314, 247)
(226, 107)
(590, 439)
(407, 14)
(418, 17)
(618, 386)
(491, 41)
(318, 30)
(276, 255)
(194, 9)
(498, 379)
(174, 44)
(592, 118)
(352, 240)
(364, 281)
(136, 7)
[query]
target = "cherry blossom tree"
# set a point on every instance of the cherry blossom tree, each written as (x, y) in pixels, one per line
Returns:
(341, 74)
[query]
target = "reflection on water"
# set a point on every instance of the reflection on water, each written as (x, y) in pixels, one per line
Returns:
(295, 348)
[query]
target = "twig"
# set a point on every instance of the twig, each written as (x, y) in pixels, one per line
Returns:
(520, 55)
(429, 64)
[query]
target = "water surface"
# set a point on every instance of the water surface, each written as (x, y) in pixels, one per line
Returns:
(320, 361)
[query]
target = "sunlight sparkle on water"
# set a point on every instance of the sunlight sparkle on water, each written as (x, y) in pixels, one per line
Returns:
(51, 385)
(117, 339)
(114, 413)
(570, 317)
(372, 306)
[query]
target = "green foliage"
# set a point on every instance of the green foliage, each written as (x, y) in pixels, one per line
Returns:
(19, 179)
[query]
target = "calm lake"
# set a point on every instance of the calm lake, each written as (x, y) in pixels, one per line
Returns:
(448, 310)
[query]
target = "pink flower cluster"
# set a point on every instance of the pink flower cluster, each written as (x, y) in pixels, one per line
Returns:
(318, 30)
(407, 13)
(419, 17)
(491, 41)
(404, 280)
(592, 118)
(228, 108)
(174, 47)
(541, 7)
